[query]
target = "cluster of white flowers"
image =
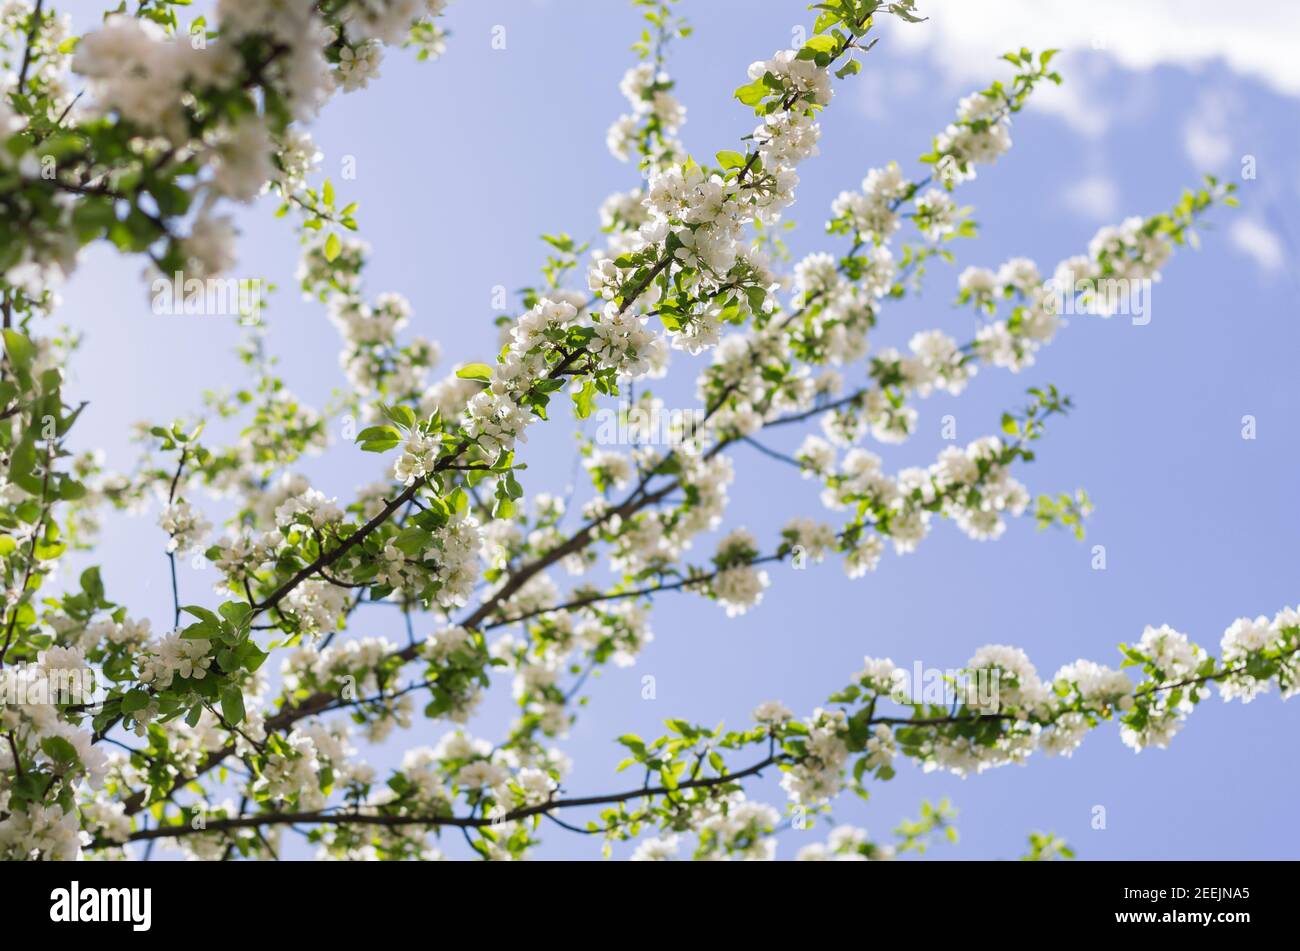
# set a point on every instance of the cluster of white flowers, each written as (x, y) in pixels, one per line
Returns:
(210, 246)
(47, 832)
(301, 73)
(358, 65)
(738, 585)
(608, 468)
(1055, 715)
(32, 727)
(838, 313)
(881, 747)
(971, 485)
(455, 552)
(418, 458)
(772, 712)
(1133, 250)
(624, 343)
(1172, 654)
(297, 155)
(352, 662)
(241, 557)
(420, 766)
(701, 217)
(983, 286)
(739, 588)
(624, 626)
(1245, 638)
(802, 77)
(496, 415)
(105, 818)
(820, 774)
(318, 605)
(241, 159)
(656, 849)
(185, 525)
(376, 364)
(736, 827)
(135, 69)
(309, 508)
(1096, 686)
(123, 633)
(816, 457)
(1120, 260)
(388, 21)
(879, 675)
(809, 539)
(364, 326)
(981, 134)
(138, 71)
(171, 656)
(936, 214)
(1174, 658)
(294, 773)
(873, 211)
(845, 844)
(648, 91)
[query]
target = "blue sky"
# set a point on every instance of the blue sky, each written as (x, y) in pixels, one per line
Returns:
(462, 163)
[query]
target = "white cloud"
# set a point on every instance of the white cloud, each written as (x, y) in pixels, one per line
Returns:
(1138, 35)
(1072, 104)
(877, 91)
(1094, 197)
(1206, 139)
(1206, 146)
(1258, 242)
(966, 37)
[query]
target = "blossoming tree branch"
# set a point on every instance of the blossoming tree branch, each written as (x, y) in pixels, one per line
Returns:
(241, 716)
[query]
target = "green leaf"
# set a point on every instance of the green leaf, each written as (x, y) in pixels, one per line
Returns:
(92, 584)
(58, 749)
(851, 68)
(824, 43)
(250, 656)
(633, 743)
(333, 247)
(134, 700)
(379, 438)
(412, 540)
(232, 704)
(403, 416)
(22, 465)
(201, 613)
(584, 401)
(21, 352)
(475, 371)
(730, 159)
(236, 612)
(753, 93)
